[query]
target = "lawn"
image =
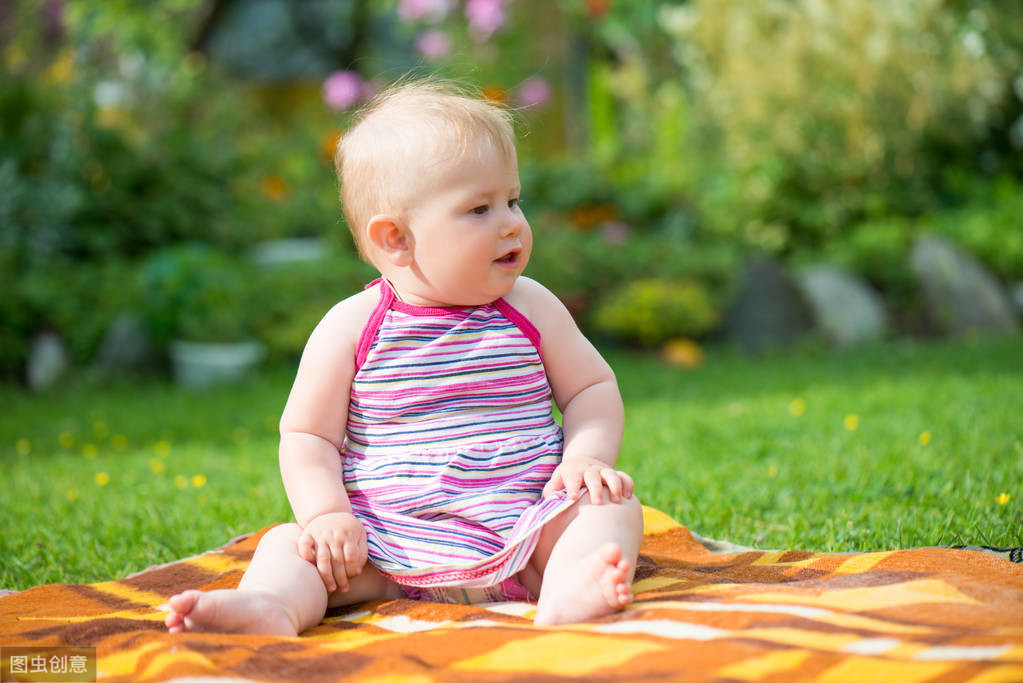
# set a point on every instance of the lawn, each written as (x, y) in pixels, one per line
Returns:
(896, 445)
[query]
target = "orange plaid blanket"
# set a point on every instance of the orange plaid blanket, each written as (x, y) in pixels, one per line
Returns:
(908, 615)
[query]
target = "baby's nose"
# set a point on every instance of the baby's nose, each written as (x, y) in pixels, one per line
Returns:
(512, 225)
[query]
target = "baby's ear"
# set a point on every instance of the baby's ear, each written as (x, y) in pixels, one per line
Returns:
(390, 238)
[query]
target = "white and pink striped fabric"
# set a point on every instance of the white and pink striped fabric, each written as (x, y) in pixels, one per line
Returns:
(450, 441)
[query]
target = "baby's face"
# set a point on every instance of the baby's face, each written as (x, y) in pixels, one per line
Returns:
(470, 239)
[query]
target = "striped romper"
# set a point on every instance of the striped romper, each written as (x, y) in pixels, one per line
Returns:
(450, 441)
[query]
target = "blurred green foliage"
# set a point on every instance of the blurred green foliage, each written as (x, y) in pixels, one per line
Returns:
(659, 141)
(194, 292)
(990, 225)
(651, 312)
(815, 116)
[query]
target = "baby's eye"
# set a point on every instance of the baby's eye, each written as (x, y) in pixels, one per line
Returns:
(480, 210)
(512, 203)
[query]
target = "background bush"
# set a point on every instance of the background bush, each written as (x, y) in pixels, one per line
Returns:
(650, 312)
(814, 117)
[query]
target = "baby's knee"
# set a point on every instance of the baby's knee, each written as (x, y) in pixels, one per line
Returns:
(281, 535)
(634, 507)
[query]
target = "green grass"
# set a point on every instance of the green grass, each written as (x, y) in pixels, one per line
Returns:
(717, 448)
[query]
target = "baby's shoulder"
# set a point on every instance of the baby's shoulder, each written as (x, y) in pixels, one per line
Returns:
(345, 321)
(532, 299)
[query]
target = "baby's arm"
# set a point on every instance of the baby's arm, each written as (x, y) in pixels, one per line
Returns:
(586, 391)
(312, 430)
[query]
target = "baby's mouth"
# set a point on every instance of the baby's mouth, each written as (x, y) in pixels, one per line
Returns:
(511, 258)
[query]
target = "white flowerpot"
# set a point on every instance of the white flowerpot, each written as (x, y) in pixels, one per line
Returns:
(200, 364)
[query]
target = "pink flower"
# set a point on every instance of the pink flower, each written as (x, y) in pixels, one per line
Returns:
(430, 11)
(615, 232)
(342, 89)
(485, 17)
(433, 44)
(53, 21)
(534, 92)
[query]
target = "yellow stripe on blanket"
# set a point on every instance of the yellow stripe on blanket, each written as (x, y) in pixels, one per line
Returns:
(656, 522)
(858, 564)
(127, 592)
(562, 654)
(759, 667)
(864, 669)
(872, 597)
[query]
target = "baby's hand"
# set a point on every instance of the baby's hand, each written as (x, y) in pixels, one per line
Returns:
(336, 543)
(574, 473)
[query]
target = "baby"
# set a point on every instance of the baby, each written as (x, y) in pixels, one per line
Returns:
(418, 446)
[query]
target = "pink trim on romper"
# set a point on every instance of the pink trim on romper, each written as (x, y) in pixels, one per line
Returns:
(369, 332)
(388, 300)
(527, 328)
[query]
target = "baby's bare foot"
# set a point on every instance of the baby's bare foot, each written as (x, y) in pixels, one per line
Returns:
(601, 587)
(228, 611)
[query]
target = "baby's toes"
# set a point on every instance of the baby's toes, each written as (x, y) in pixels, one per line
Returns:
(609, 583)
(611, 554)
(174, 622)
(183, 603)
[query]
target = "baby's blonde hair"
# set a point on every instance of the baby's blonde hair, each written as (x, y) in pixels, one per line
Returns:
(410, 121)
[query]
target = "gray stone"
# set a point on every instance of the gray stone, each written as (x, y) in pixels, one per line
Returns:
(293, 250)
(1016, 292)
(960, 296)
(848, 311)
(47, 361)
(201, 364)
(768, 308)
(125, 345)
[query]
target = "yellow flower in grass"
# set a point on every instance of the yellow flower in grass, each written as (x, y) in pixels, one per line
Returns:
(157, 466)
(797, 407)
(102, 478)
(851, 421)
(23, 446)
(162, 448)
(90, 451)
(772, 471)
(66, 440)
(1003, 498)
(199, 480)
(72, 495)
(119, 442)
(924, 438)
(181, 481)
(684, 353)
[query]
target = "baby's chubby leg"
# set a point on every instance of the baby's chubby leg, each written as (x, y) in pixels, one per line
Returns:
(587, 558)
(279, 594)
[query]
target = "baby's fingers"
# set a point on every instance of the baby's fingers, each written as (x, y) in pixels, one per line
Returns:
(591, 478)
(325, 568)
(556, 483)
(628, 485)
(339, 566)
(355, 557)
(574, 481)
(614, 484)
(306, 547)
